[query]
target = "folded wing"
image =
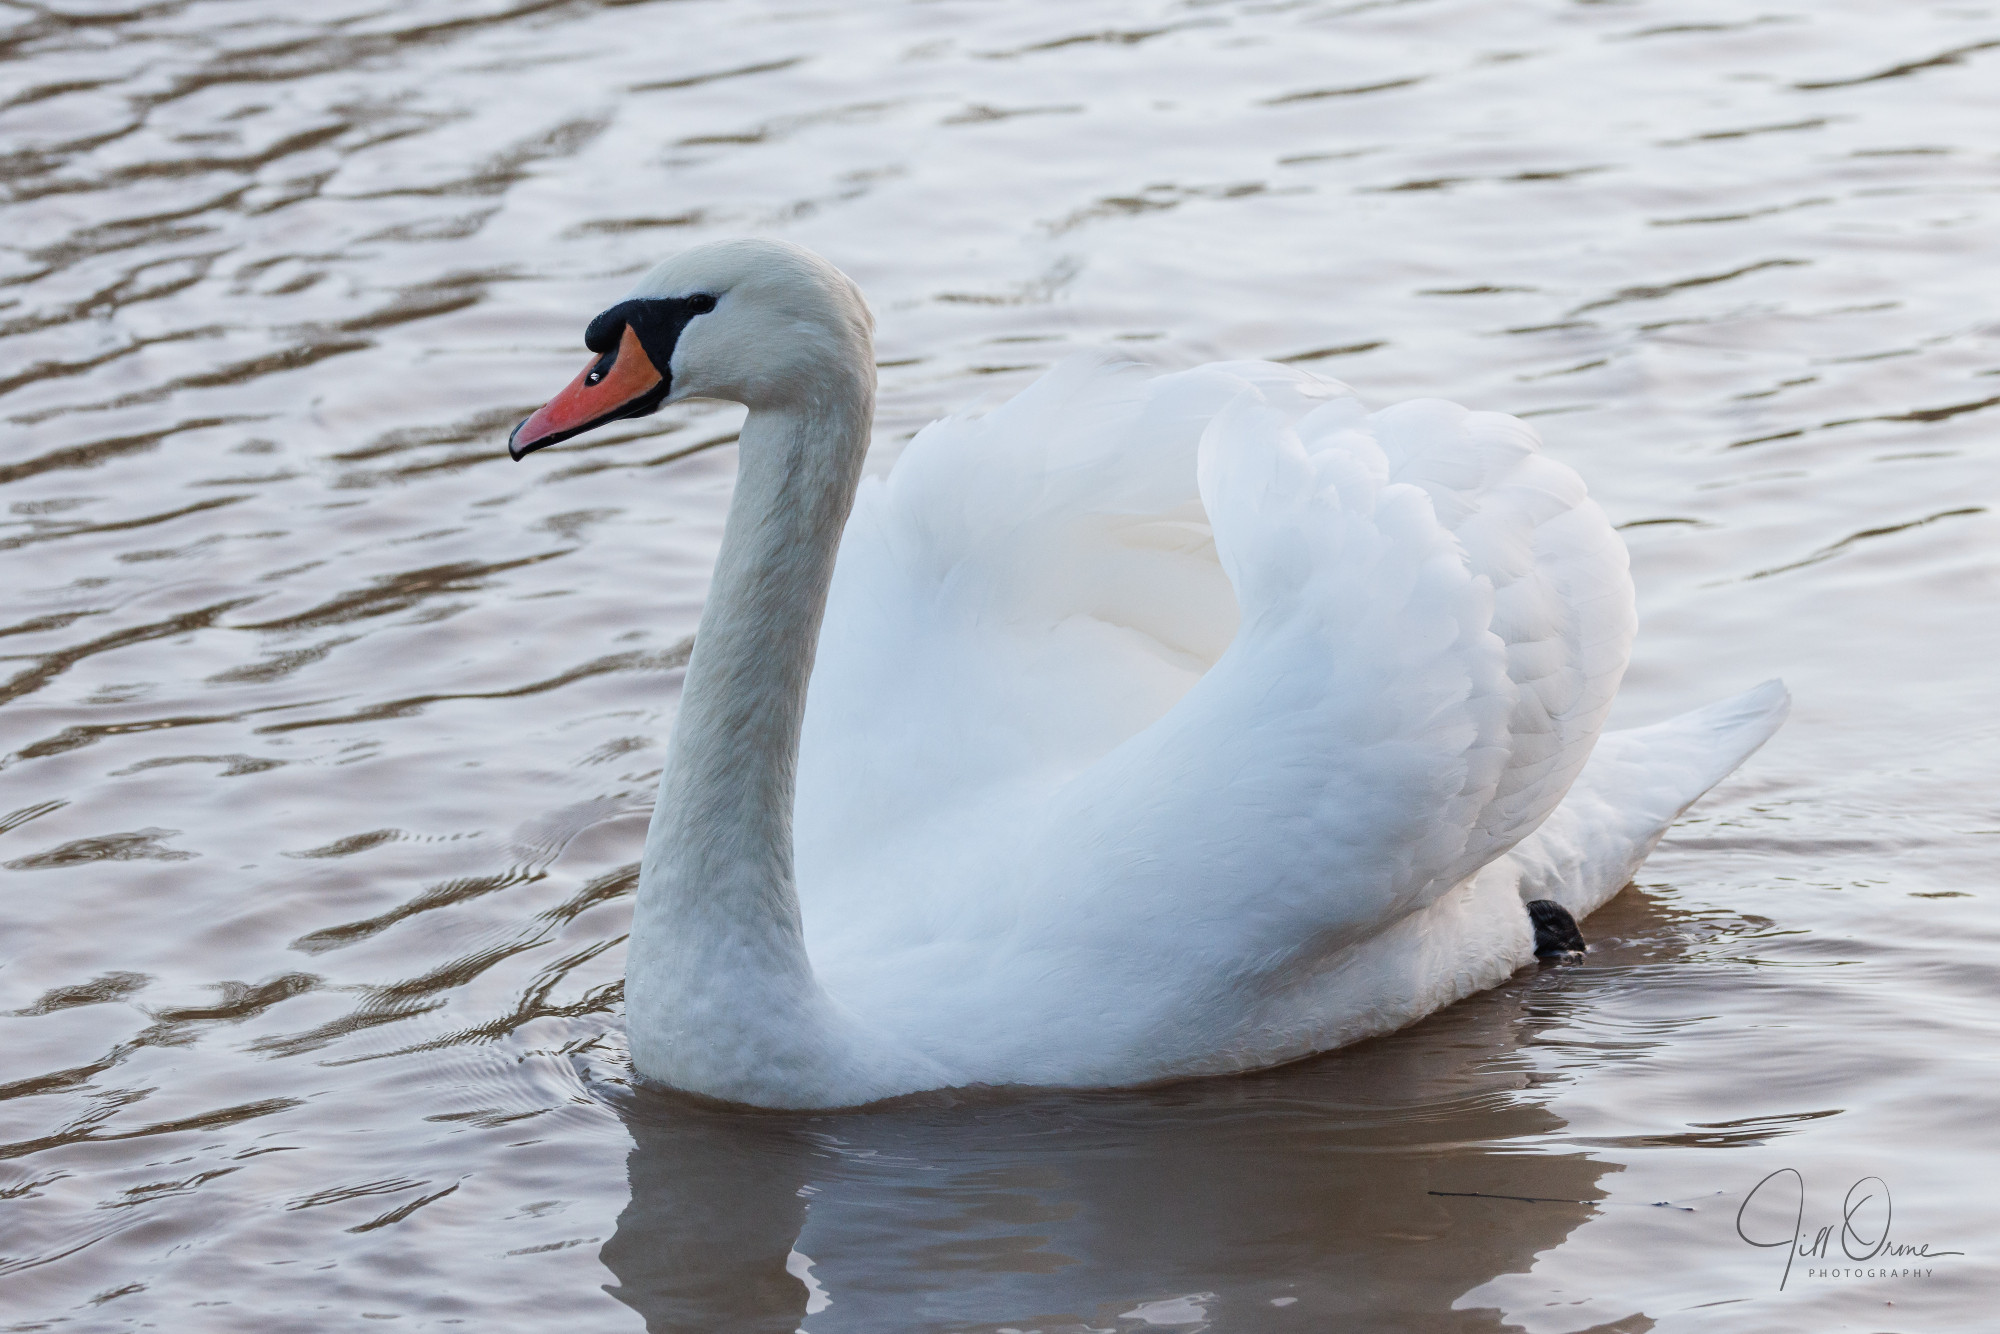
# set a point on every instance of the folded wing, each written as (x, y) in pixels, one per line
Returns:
(1156, 686)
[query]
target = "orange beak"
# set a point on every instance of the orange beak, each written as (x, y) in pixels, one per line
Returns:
(622, 383)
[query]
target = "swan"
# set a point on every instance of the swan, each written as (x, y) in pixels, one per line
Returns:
(1149, 726)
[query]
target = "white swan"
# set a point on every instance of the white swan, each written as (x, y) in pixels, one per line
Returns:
(1161, 725)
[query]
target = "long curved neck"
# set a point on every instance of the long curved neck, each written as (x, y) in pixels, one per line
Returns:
(726, 795)
(718, 973)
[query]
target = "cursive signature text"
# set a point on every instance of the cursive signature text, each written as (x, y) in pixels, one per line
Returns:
(1862, 1230)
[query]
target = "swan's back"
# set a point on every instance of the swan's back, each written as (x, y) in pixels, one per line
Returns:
(1162, 687)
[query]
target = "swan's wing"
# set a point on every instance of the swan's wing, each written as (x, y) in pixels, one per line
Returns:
(1024, 756)
(1434, 618)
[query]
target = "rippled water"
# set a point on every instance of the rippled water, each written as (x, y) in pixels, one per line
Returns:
(329, 733)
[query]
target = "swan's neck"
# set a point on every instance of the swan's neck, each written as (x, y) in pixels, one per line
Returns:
(726, 797)
(719, 987)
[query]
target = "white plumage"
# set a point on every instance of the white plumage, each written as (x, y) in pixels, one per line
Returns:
(1160, 725)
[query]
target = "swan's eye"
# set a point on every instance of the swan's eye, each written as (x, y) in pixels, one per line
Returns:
(701, 303)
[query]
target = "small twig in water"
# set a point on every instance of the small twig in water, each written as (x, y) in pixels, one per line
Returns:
(1551, 1199)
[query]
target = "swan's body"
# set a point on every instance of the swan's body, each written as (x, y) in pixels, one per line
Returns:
(1160, 726)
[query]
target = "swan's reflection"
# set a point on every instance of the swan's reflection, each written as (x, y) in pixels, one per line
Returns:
(1266, 1202)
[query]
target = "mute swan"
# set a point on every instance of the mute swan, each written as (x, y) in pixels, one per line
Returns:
(1150, 726)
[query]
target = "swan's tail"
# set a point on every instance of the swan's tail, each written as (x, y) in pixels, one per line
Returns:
(1636, 784)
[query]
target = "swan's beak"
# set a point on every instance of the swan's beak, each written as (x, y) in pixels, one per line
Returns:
(622, 383)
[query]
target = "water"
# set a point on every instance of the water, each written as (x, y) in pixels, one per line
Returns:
(329, 733)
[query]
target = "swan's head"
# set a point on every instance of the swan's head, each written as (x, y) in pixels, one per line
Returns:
(763, 323)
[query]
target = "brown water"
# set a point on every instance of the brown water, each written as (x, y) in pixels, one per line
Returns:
(329, 733)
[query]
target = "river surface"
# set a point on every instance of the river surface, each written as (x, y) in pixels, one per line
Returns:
(329, 734)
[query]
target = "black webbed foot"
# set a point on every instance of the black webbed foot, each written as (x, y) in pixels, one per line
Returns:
(1556, 938)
